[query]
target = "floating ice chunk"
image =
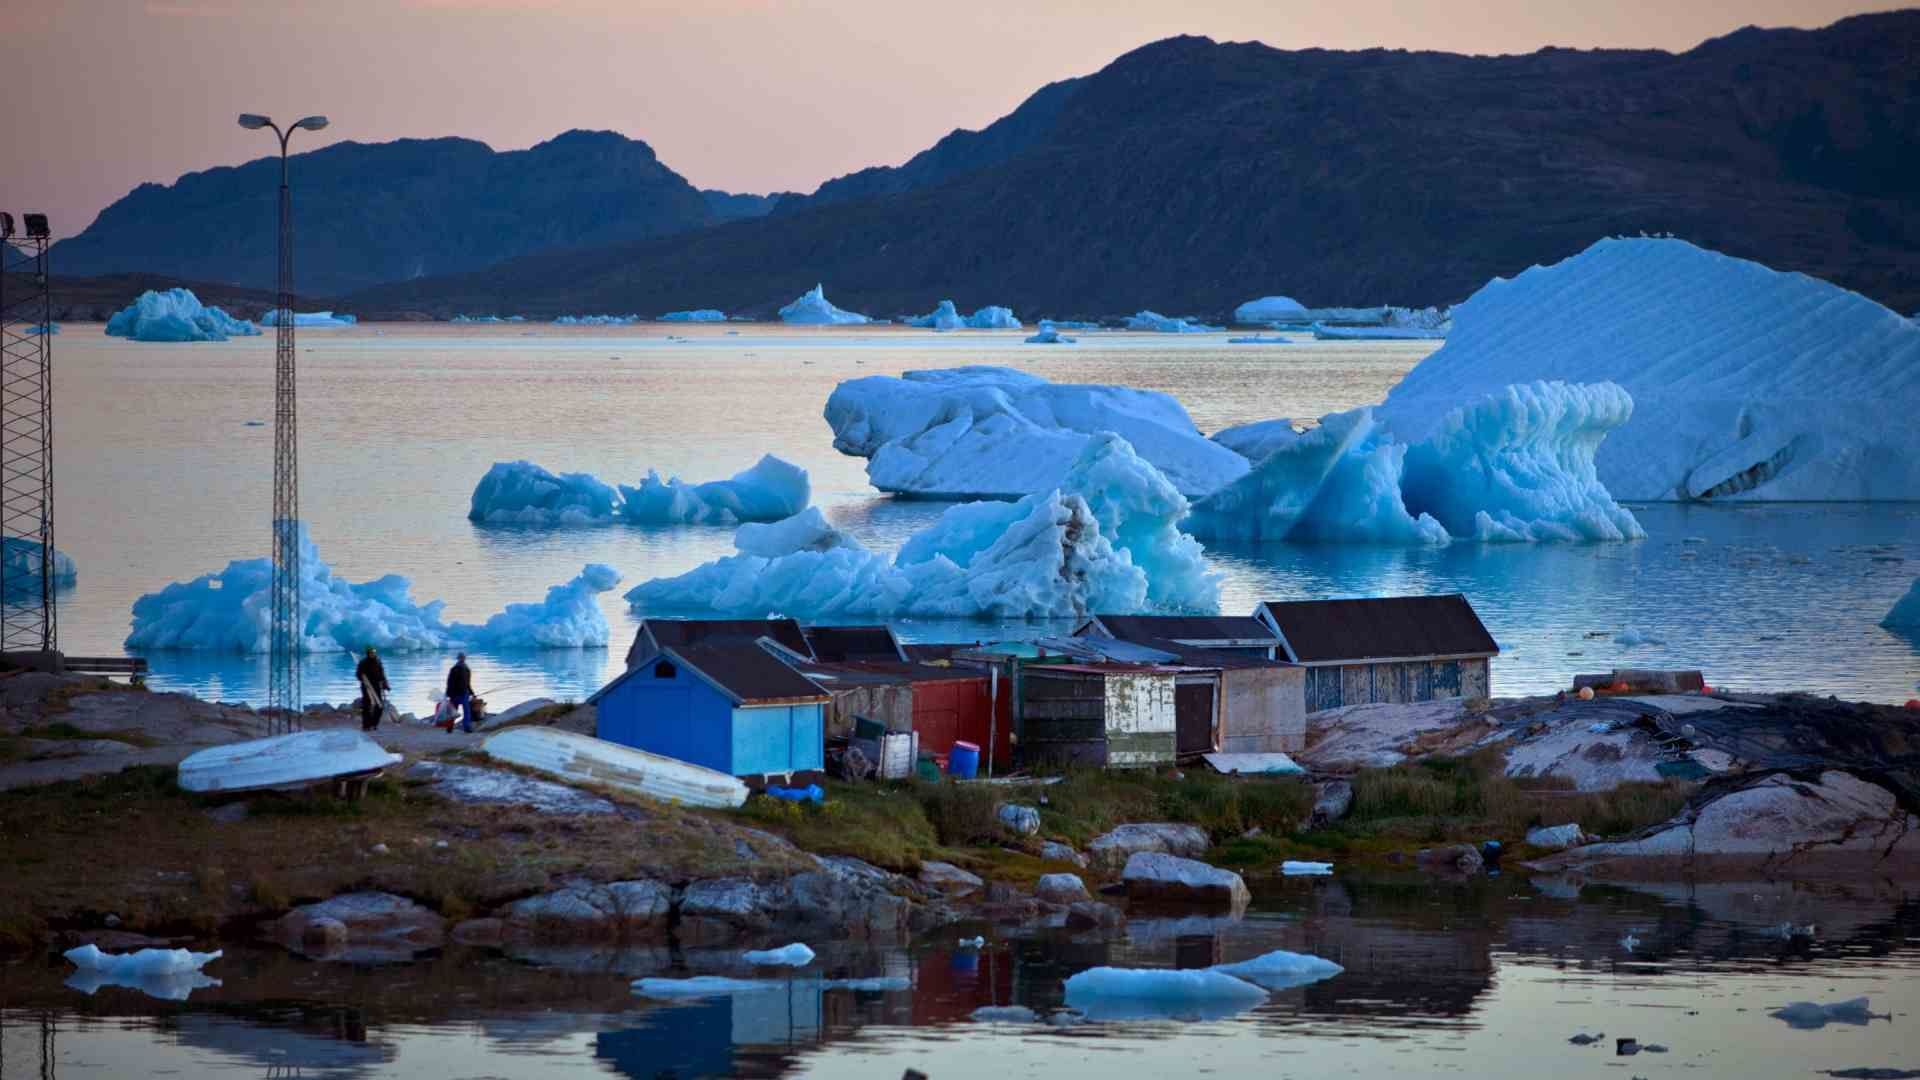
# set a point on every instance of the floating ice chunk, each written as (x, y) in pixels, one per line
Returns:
(703, 986)
(1257, 441)
(23, 560)
(1906, 611)
(943, 317)
(993, 317)
(1157, 323)
(231, 611)
(596, 320)
(1294, 868)
(770, 490)
(972, 943)
(1259, 340)
(1270, 309)
(1050, 336)
(998, 433)
(1106, 540)
(1747, 383)
(1280, 969)
(311, 319)
(1808, 1015)
(522, 493)
(142, 963)
(175, 315)
(1005, 1014)
(1631, 638)
(1106, 993)
(812, 309)
(795, 955)
(696, 315)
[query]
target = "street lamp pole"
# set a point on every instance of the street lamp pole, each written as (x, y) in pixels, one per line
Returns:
(283, 692)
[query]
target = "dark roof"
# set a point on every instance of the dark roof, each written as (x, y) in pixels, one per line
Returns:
(745, 672)
(1196, 656)
(672, 633)
(1141, 628)
(1320, 631)
(848, 673)
(922, 651)
(853, 643)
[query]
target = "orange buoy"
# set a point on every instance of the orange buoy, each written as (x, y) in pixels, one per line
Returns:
(1586, 693)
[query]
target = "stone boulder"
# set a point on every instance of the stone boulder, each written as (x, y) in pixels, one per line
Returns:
(848, 896)
(619, 911)
(1331, 801)
(949, 879)
(1111, 852)
(1054, 851)
(1060, 889)
(1156, 877)
(374, 921)
(1021, 820)
(1092, 914)
(1451, 859)
(1556, 837)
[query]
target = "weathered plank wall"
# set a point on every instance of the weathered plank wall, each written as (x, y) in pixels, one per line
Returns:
(1334, 687)
(1266, 710)
(1141, 721)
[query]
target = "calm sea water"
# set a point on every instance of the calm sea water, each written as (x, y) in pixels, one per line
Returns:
(1488, 978)
(159, 479)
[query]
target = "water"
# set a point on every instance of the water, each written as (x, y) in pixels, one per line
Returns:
(159, 479)
(1487, 978)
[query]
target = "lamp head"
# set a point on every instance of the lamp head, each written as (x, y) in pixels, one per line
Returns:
(37, 225)
(312, 123)
(253, 121)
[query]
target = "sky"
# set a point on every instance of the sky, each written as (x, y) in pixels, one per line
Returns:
(745, 95)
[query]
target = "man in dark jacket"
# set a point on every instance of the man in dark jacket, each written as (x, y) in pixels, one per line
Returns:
(460, 693)
(373, 689)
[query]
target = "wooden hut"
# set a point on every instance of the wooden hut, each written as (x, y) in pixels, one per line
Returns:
(1116, 715)
(1262, 702)
(731, 706)
(1385, 649)
(943, 703)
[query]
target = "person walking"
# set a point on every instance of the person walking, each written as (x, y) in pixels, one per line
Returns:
(373, 689)
(460, 693)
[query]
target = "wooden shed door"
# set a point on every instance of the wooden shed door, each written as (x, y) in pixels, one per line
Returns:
(1193, 718)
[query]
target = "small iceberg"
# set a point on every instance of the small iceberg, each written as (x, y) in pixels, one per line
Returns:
(522, 493)
(37, 329)
(795, 955)
(310, 319)
(167, 974)
(696, 315)
(596, 320)
(1296, 868)
(699, 986)
(1632, 638)
(1157, 323)
(946, 317)
(23, 561)
(1106, 993)
(175, 315)
(1270, 309)
(1280, 969)
(1047, 335)
(1809, 1016)
(812, 309)
(1259, 340)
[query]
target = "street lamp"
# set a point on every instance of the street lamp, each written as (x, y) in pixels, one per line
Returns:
(283, 693)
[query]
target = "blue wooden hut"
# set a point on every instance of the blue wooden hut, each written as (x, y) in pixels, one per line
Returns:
(731, 706)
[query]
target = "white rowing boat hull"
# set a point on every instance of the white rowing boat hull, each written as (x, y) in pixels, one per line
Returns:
(296, 760)
(585, 759)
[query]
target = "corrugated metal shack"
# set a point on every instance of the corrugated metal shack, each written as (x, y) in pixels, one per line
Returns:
(1263, 701)
(733, 706)
(1384, 649)
(1099, 714)
(942, 702)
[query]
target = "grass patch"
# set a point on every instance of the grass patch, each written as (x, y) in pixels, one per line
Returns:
(1087, 803)
(17, 747)
(884, 824)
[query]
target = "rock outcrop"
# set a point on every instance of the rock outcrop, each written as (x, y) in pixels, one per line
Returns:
(370, 922)
(619, 911)
(1153, 876)
(1110, 852)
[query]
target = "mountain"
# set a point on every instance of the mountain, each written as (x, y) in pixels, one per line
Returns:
(371, 212)
(1189, 176)
(727, 206)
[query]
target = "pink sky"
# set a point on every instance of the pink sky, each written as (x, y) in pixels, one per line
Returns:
(747, 95)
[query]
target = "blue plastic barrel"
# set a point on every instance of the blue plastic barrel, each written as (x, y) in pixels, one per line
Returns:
(964, 762)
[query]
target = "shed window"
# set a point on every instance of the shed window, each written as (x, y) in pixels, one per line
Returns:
(664, 670)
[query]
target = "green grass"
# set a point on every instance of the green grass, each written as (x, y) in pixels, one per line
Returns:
(15, 747)
(1087, 803)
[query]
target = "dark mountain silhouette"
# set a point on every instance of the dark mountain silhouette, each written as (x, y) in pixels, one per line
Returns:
(373, 212)
(1189, 175)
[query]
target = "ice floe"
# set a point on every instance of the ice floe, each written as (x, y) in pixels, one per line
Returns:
(1269, 309)
(1107, 993)
(1157, 323)
(1104, 540)
(996, 432)
(168, 974)
(1280, 969)
(311, 319)
(231, 611)
(1747, 383)
(812, 309)
(795, 955)
(522, 493)
(696, 315)
(175, 315)
(1259, 340)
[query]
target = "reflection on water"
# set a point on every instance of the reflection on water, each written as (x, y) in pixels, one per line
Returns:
(1486, 977)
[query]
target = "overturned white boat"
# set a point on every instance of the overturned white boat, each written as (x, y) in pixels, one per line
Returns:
(298, 760)
(585, 759)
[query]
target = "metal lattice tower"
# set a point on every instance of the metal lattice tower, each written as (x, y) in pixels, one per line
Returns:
(283, 694)
(28, 614)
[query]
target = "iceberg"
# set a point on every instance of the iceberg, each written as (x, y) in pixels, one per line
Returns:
(1257, 441)
(522, 493)
(1106, 993)
(1049, 336)
(309, 319)
(795, 955)
(812, 309)
(1270, 309)
(596, 320)
(231, 611)
(1514, 467)
(946, 317)
(39, 329)
(942, 317)
(993, 317)
(1106, 540)
(993, 432)
(169, 974)
(1160, 324)
(697, 315)
(175, 315)
(772, 489)
(1323, 332)
(1298, 868)
(1747, 383)
(1280, 969)
(23, 569)
(1906, 611)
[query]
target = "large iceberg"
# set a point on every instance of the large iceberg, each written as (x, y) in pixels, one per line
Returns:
(319, 319)
(1257, 441)
(772, 489)
(1105, 540)
(231, 611)
(23, 569)
(1906, 611)
(175, 315)
(946, 317)
(522, 493)
(994, 432)
(1157, 323)
(1514, 466)
(696, 315)
(812, 309)
(1269, 309)
(1747, 383)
